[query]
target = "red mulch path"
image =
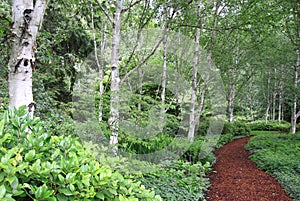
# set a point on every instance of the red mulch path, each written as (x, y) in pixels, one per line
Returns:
(237, 178)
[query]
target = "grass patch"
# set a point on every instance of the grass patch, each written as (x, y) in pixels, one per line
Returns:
(279, 155)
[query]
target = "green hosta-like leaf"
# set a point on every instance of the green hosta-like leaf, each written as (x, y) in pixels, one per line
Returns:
(30, 155)
(2, 123)
(65, 191)
(2, 191)
(43, 192)
(70, 178)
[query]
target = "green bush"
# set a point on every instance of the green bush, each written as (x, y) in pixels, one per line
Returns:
(179, 180)
(236, 128)
(279, 155)
(282, 126)
(201, 150)
(37, 165)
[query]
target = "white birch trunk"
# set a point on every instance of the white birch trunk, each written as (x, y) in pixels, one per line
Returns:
(164, 72)
(268, 100)
(192, 121)
(280, 98)
(274, 106)
(99, 66)
(231, 101)
(115, 78)
(295, 115)
(27, 19)
(250, 97)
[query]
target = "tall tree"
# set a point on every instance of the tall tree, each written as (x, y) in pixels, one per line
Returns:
(115, 77)
(27, 18)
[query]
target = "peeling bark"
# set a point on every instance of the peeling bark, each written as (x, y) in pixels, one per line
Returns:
(115, 78)
(27, 19)
(192, 123)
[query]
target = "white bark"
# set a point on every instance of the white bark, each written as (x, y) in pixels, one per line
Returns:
(231, 96)
(115, 79)
(295, 115)
(192, 121)
(27, 19)
(268, 100)
(280, 98)
(250, 97)
(164, 70)
(274, 106)
(231, 101)
(99, 66)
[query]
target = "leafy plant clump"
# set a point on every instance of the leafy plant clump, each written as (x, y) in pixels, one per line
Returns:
(279, 155)
(236, 128)
(270, 126)
(179, 180)
(36, 165)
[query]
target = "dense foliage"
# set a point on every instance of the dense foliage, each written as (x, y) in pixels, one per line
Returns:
(278, 154)
(270, 126)
(38, 165)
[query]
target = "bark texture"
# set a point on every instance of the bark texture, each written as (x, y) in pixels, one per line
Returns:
(27, 18)
(115, 78)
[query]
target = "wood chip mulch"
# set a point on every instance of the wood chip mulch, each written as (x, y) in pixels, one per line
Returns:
(237, 178)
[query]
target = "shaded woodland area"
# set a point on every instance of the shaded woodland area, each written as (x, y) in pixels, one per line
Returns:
(115, 88)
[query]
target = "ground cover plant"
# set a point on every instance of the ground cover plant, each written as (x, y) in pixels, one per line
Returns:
(279, 155)
(36, 165)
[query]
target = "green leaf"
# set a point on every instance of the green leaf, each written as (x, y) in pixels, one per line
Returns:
(100, 195)
(30, 155)
(65, 191)
(2, 123)
(2, 191)
(70, 178)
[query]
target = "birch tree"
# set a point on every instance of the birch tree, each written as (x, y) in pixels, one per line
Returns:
(115, 78)
(27, 16)
(192, 123)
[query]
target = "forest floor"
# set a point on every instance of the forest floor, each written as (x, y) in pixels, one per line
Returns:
(236, 178)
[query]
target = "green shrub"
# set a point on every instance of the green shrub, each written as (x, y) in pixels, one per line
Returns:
(282, 126)
(236, 128)
(37, 165)
(201, 150)
(279, 155)
(179, 180)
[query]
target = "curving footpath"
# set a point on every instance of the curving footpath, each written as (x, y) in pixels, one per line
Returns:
(237, 178)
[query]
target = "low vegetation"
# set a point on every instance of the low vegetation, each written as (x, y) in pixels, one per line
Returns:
(279, 154)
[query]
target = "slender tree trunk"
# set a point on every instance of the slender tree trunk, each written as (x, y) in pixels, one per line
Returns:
(274, 106)
(274, 94)
(192, 121)
(295, 115)
(101, 72)
(231, 97)
(280, 98)
(98, 64)
(115, 79)
(250, 97)
(164, 70)
(27, 19)
(268, 100)
(141, 75)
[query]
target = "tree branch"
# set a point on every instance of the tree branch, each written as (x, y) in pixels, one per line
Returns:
(106, 14)
(131, 5)
(144, 61)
